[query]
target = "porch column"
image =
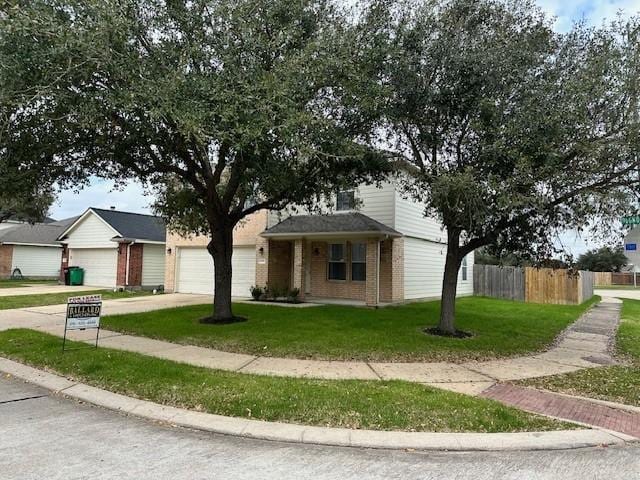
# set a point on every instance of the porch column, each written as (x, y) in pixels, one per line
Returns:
(373, 266)
(298, 267)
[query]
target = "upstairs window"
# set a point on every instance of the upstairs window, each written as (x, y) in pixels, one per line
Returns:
(337, 268)
(345, 200)
(464, 269)
(359, 262)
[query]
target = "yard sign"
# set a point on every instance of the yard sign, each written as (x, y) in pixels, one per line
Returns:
(83, 313)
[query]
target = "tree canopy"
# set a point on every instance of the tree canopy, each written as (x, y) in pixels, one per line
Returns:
(511, 132)
(225, 107)
(604, 259)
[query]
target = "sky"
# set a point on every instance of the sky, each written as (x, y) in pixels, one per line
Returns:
(100, 193)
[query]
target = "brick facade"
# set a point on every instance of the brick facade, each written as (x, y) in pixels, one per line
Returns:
(6, 260)
(133, 254)
(64, 261)
(321, 286)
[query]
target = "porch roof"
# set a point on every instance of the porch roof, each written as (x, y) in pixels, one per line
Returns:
(342, 224)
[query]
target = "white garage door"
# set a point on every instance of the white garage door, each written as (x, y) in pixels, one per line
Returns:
(36, 261)
(100, 265)
(195, 271)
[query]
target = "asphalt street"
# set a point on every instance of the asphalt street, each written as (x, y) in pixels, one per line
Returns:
(44, 436)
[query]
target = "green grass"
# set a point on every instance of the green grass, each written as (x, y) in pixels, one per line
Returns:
(23, 301)
(617, 383)
(500, 328)
(351, 404)
(11, 283)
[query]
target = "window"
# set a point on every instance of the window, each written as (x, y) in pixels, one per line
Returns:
(359, 262)
(345, 200)
(464, 269)
(337, 265)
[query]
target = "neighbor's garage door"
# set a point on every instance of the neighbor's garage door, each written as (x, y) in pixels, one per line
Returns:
(100, 265)
(195, 271)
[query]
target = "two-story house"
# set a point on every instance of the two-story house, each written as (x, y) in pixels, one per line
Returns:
(375, 248)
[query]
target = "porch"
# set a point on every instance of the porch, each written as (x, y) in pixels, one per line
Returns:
(331, 260)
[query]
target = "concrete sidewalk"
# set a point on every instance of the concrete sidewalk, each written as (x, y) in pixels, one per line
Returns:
(584, 345)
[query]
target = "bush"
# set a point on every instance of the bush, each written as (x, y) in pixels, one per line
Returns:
(293, 295)
(256, 292)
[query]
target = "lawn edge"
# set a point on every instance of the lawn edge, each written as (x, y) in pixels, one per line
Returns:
(293, 433)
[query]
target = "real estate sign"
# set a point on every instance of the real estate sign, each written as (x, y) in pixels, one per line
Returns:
(83, 313)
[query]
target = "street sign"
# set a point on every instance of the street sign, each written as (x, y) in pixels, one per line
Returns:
(633, 220)
(631, 247)
(83, 313)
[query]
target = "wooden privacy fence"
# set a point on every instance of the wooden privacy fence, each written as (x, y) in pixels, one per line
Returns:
(534, 285)
(602, 278)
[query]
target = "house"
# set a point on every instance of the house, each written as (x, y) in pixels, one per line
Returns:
(32, 250)
(116, 249)
(375, 248)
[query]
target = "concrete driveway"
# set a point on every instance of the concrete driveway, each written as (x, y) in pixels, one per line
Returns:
(45, 436)
(622, 293)
(36, 289)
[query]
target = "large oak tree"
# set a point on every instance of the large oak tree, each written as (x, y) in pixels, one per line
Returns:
(511, 131)
(224, 107)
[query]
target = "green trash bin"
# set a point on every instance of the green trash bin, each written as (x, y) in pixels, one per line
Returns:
(76, 276)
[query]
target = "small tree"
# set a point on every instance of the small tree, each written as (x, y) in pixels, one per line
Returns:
(225, 107)
(605, 259)
(511, 132)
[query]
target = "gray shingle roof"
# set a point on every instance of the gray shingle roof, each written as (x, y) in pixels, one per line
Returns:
(325, 224)
(135, 226)
(36, 234)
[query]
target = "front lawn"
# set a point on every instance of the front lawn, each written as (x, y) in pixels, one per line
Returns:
(616, 384)
(501, 328)
(23, 301)
(11, 283)
(350, 404)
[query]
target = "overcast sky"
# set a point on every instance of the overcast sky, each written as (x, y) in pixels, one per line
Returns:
(101, 194)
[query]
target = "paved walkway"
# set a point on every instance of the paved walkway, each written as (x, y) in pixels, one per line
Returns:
(35, 289)
(633, 294)
(569, 408)
(584, 345)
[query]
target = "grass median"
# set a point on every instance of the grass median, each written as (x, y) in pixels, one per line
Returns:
(25, 282)
(500, 328)
(24, 301)
(619, 383)
(375, 405)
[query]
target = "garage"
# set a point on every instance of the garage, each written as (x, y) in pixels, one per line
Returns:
(99, 265)
(195, 271)
(36, 261)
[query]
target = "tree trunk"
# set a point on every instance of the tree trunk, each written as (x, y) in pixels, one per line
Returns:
(221, 249)
(450, 283)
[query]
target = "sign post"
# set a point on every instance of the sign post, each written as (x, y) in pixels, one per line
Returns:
(83, 313)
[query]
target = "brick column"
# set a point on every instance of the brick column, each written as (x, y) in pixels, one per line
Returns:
(6, 260)
(121, 272)
(262, 262)
(397, 270)
(298, 267)
(373, 264)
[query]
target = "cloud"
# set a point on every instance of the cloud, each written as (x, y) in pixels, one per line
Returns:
(101, 194)
(593, 12)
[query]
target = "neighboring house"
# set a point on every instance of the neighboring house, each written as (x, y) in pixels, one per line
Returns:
(13, 222)
(32, 250)
(376, 248)
(116, 249)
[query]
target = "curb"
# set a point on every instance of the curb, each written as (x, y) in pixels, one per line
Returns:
(291, 433)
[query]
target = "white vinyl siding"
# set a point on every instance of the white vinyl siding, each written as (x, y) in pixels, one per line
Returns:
(99, 264)
(91, 232)
(153, 259)
(410, 220)
(195, 271)
(424, 268)
(36, 261)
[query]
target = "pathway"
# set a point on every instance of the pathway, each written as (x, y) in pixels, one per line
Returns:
(584, 345)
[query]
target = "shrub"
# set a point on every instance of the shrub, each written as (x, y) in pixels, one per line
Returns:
(293, 295)
(256, 292)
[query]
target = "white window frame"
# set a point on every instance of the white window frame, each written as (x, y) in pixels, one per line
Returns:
(464, 268)
(363, 261)
(343, 261)
(352, 201)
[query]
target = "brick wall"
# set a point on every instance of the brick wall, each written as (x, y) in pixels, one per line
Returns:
(64, 261)
(135, 265)
(122, 265)
(392, 270)
(279, 264)
(322, 287)
(6, 260)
